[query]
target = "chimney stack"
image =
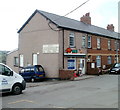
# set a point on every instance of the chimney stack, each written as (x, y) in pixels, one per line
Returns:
(110, 27)
(86, 18)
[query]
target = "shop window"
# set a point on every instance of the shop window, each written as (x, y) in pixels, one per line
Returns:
(72, 39)
(71, 64)
(98, 61)
(98, 43)
(89, 41)
(35, 59)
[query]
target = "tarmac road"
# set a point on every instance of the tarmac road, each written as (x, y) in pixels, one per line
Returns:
(97, 92)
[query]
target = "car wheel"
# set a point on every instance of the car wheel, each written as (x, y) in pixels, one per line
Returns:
(17, 89)
(32, 79)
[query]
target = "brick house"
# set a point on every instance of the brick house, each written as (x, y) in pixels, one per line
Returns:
(58, 42)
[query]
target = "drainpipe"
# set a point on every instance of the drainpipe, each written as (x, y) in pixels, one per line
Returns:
(63, 46)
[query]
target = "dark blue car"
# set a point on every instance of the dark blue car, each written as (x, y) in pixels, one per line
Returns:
(32, 73)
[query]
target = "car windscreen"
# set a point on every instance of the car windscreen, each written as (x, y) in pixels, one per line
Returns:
(117, 65)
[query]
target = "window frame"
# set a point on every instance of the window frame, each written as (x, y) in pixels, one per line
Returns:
(98, 43)
(83, 41)
(16, 61)
(89, 41)
(21, 63)
(109, 60)
(98, 58)
(72, 37)
(68, 65)
(34, 60)
(109, 44)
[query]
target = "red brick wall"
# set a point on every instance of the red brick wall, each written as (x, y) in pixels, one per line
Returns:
(104, 52)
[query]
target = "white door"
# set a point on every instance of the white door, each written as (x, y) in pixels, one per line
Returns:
(82, 66)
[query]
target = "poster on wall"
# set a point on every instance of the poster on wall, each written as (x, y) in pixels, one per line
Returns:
(51, 48)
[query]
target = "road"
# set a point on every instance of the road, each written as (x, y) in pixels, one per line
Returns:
(98, 92)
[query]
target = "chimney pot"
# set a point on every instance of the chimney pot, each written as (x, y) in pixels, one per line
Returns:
(86, 18)
(110, 27)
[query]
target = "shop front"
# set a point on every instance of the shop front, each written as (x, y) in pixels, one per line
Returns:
(75, 61)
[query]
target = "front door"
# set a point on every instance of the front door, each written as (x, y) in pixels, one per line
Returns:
(82, 66)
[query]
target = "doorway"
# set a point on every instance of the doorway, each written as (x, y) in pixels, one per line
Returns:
(82, 66)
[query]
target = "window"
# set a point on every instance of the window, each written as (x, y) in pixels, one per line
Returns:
(35, 59)
(16, 61)
(98, 61)
(109, 44)
(89, 41)
(109, 60)
(71, 64)
(4, 70)
(21, 60)
(98, 43)
(83, 42)
(71, 39)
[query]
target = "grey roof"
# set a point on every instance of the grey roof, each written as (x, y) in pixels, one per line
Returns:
(67, 23)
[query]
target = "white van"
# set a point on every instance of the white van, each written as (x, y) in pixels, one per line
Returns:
(10, 81)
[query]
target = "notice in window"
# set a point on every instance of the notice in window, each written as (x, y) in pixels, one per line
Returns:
(92, 65)
(51, 48)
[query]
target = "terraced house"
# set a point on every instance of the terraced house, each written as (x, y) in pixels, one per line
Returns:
(58, 42)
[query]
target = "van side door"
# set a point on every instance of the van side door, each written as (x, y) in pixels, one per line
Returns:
(7, 79)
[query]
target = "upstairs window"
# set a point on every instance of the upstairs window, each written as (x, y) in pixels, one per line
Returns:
(71, 39)
(98, 43)
(89, 41)
(109, 44)
(83, 42)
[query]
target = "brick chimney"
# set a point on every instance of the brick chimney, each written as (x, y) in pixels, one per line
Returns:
(110, 27)
(86, 18)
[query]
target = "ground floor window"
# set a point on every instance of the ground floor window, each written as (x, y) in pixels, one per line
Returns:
(98, 61)
(71, 63)
(21, 60)
(109, 60)
(16, 61)
(35, 59)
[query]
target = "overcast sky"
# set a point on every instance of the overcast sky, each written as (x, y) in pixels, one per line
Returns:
(14, 13)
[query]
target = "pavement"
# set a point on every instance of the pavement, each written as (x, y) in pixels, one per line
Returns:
(54, 81)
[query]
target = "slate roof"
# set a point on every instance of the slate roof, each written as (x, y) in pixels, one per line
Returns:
(67, 23)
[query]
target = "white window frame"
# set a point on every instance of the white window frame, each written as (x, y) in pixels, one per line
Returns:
(109, 58)
(35, 59)
(72, 39)
(21, 60)
(83, 41)
(98, 43)
(98, 58)
(72, 64)
(89, 42)
(109, 44)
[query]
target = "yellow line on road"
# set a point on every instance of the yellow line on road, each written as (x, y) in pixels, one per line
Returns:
(21, 101)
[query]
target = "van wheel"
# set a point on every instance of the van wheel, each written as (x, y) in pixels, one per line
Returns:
(17, 89)
(32, 79)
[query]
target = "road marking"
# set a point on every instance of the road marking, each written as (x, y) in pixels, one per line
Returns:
(21, 101)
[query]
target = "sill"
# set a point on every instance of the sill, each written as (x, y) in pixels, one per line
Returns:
(98, 48)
